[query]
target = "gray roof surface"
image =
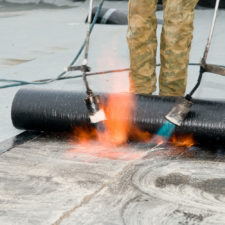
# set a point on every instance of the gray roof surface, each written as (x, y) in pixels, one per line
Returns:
(52, 180)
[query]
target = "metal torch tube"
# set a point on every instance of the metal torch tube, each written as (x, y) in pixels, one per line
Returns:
(211, 32)
(85, 61)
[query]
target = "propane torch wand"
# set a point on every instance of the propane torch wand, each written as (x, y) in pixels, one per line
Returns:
(93, 104)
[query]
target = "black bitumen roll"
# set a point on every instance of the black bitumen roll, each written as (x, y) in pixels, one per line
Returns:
(110, 16)
(113, 16)
(56, 110)
(211, 3)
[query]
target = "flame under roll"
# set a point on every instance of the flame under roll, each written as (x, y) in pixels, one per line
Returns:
(56, 110)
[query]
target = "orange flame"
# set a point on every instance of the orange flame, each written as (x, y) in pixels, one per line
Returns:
(105, 146)
(183, 140)
(119, 129)
(84, 134)
(118, 111)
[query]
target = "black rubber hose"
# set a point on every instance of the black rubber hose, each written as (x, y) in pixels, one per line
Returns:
(53, 110)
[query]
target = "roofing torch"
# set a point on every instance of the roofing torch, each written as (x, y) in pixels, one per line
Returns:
(93, 104)
(179, 112)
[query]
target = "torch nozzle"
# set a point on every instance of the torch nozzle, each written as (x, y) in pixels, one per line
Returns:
(95, 111)
(179, 112)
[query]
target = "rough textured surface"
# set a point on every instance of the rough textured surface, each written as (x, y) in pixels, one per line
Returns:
(54, 180)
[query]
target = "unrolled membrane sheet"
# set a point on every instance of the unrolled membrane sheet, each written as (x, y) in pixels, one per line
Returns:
(56, 110)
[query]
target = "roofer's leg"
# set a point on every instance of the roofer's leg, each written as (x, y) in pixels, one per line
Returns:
(175, 45)
(142, 43)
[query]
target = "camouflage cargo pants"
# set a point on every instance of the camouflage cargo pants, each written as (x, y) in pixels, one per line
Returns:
(176, 40)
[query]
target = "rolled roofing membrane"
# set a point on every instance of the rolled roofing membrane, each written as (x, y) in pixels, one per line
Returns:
(57, 110)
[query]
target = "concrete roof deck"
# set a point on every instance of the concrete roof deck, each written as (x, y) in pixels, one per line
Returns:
(52, 180)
